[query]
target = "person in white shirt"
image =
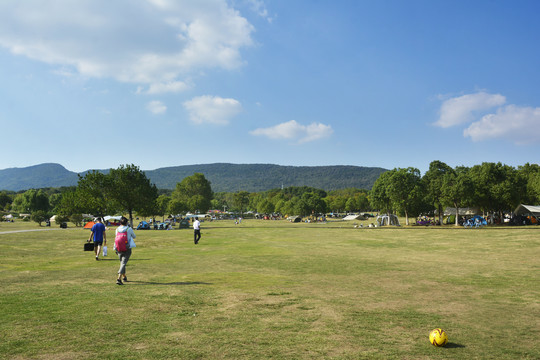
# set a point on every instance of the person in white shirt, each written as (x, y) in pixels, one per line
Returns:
(197, 230)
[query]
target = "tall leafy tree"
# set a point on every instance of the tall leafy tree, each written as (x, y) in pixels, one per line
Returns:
(176, 206)
(39, 216)
(93, 194)
(531, 174)
(70, 204)
(241, 201)
(404, 190)
(162, 205)
(31, 200)
(380, 195)
(131, 190)
(458, 188)
(265, 206)
(5, 200)
(313, 203)
(195, 192)
(433, 179)
(498, 187)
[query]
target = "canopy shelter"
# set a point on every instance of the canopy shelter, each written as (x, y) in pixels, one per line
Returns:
(527, 210)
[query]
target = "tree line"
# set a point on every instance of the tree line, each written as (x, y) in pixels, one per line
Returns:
(492, 187)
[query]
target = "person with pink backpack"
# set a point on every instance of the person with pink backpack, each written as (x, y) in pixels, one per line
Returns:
(123, 243)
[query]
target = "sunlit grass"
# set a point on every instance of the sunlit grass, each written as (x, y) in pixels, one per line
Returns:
(273, 289)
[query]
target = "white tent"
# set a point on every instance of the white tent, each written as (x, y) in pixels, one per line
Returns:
(527, 210)
(391, 219)
(354, 217)
(107, 218)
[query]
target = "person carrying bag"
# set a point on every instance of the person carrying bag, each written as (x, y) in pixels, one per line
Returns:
(123, 243)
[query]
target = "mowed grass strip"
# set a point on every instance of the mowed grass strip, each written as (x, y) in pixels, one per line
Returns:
(272, 289)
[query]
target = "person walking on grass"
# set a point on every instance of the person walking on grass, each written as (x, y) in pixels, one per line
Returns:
(197, 230)
(123, 243)
(99, 235)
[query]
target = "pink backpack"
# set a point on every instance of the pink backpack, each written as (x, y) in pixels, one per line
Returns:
(121, 241)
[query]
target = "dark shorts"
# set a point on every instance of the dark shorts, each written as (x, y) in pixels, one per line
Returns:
(96, 243)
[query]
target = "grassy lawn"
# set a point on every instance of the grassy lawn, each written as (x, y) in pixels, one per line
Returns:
(273, 290)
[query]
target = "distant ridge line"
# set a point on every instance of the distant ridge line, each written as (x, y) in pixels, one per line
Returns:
(224, 177)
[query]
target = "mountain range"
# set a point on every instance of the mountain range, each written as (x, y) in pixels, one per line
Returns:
(222, 176)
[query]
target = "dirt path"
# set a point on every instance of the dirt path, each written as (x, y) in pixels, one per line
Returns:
(21, 231)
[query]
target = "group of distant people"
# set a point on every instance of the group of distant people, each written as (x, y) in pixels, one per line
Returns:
(99, 236)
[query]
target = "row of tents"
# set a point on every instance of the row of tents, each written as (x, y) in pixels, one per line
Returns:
(523, 214)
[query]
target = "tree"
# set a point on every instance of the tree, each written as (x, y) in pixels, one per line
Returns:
(39, 216)
(433, 180)
(404, 190)
(131, 190)
(265, 206)
(531, 174)
(314, 204)
(497, 187)
(336, 203)
(5, 200)
(75, 219)
(351, 205)
(241, 201)
(162, 205)
(195, 192)
(93, 194)
(380, 197)
(457, 188)
(176, 207)
(31, 200)
(69, 204)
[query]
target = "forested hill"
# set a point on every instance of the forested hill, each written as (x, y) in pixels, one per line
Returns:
(223, 177)
(261, 177)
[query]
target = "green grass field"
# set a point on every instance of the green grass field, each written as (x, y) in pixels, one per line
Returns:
(273, 290)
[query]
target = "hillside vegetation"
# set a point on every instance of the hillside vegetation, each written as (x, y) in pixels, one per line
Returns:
(223, 177)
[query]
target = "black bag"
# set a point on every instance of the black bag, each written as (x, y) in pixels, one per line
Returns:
(89, 246)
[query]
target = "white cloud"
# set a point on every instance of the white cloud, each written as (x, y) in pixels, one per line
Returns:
(259, 8)
(161, 88)
(292, 130)
(156, 107)
(520, 125)
(212, 109)
(462, 109)
(154, 42)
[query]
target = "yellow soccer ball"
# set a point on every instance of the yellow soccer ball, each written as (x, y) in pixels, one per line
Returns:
(438, 337)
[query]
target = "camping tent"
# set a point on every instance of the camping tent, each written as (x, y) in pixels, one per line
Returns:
(354, 217)
(89, 225)
(143, 225)
(387, 220)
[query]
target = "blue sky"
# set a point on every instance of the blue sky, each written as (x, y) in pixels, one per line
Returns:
(92, 84)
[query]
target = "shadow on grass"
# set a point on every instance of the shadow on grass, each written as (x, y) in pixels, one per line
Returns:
(180, 283)
(114, 258)
(454, 346)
